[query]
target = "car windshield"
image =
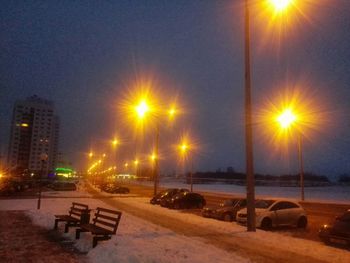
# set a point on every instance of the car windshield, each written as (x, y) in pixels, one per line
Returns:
(345, 217)
(263, 203)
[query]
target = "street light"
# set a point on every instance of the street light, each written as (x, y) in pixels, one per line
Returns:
(43, 159)
(248, 128)
(279, 7)
(142, 109)
(136, 163)
(286, 119)
(115, 144)
(184, 149)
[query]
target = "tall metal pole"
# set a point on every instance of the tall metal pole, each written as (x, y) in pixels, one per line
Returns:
(41, 176)
(191, 174)
(248, 129)
(301, 166)
(156, 162)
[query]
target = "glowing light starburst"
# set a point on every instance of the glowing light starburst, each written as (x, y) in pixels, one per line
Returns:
(281, 5)
(286, 118)
(142, 109)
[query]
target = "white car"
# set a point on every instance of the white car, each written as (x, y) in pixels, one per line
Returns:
(272, 213)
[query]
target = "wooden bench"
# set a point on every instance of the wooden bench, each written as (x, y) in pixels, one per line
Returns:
(77, 215)
(103, 226)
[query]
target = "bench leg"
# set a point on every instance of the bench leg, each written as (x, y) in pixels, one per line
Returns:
(77, 233)
(97, 238)
(66, 227)
(56, 223)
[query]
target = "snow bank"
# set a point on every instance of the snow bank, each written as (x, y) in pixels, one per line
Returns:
(136, 241)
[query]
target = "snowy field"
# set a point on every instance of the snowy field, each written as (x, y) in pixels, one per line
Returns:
(139, 241)
(331, 194)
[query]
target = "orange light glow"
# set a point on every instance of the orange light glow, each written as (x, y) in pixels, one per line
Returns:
(142, 108)
(115, 142)
(153, 157)
(286, 118)
(280, 5)
(280, 20)
(296, 111)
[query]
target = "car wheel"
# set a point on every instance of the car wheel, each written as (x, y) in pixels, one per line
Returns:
(227, 217)
(200, 205)
(266, 224)
(302, 222)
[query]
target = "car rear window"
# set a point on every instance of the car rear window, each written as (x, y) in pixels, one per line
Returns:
(263, 203)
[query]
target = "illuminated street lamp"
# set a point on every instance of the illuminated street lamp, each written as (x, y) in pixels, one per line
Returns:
(136, 164)
(279, 6)
(115, 144)
(286, 119)
(184, 149)
(126, 165)
(43, 159)
(142, 109)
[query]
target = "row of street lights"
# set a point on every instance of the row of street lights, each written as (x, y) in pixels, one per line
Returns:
(287, 119)
(184, 149)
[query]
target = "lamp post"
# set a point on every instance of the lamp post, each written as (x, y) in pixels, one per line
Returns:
(156, 162)
(248, 128)
(142, 109)
(43, 159)
(301, 166)
(136, 164)
(286, 119)
(279, 6)
(184, 149)
(115, 144)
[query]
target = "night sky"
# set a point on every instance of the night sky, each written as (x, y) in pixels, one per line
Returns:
(86, 56)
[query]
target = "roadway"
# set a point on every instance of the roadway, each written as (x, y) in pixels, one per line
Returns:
(318, 213)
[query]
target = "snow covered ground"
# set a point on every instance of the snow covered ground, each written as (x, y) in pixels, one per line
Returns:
(138, 240)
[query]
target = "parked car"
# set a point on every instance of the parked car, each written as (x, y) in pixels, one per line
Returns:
(338, 232)
(273, 213)
(156, 200)
(185, 200)
(226, 210)
(115, 189)
(64, 186)
(165, 200)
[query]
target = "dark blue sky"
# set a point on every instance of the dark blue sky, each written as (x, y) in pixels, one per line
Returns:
(84, 55)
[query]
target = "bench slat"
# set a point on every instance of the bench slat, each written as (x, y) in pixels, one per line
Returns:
(108, 210)
(103, 219)
(109, 217)
(84, 206)
(98, 221)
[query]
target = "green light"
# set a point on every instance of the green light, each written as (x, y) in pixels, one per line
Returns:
(63, 170)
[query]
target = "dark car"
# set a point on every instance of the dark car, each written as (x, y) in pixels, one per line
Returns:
(115, 189)
(155, 200)
(226, 211)
(165, 200)
(64, 186)
(338, 232)
(187, 200)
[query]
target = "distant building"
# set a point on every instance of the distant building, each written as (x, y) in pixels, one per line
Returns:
(34, 131)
